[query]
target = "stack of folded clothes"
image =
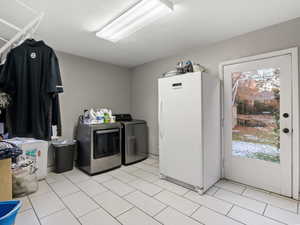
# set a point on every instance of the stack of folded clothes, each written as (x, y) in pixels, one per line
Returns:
(8, 150)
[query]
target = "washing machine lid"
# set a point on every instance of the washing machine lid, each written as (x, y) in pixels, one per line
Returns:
(123, 117)
(133, 122)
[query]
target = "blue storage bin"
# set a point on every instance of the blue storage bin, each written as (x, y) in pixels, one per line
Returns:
(8, 212)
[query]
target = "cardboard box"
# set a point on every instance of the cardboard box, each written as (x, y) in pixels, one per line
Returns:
(5, 180)
(36, 149)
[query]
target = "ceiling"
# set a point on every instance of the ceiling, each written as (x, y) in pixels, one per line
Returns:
(70, 25)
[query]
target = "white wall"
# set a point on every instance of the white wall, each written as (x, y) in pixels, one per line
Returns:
(88, 83)
(144, 81)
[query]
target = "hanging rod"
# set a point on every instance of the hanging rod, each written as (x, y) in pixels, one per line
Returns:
(3, 39)
(14, 26)
(27, 7)
(6, 40)
(10, 24)
(22, 33)
(29, 29)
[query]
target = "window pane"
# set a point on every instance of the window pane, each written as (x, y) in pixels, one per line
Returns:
(256, 114)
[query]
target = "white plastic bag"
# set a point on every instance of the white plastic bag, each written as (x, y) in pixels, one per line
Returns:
(24, 178)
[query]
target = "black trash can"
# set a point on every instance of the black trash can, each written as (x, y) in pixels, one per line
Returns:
(64, 151)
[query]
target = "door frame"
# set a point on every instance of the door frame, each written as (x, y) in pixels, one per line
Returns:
(295, 110)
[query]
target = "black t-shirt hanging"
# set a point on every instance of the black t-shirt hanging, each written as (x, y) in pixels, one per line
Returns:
(31, 76)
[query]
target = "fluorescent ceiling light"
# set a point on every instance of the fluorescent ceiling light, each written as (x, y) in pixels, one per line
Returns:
(135, 18)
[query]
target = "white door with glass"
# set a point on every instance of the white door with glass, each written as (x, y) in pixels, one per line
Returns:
(258, 123)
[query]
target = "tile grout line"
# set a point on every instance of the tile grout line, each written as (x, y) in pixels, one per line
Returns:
(102, 186)
(153, 217)
(159, 192)
(31, 208)
(60, 198)
(126, 211)
(267, 203)
(145, 171)
(213, 194)
(160, 211)
(265, 209)
(232, 204)
(153, 183)
(66, 195)
(153, 197)
(95, 203)
(243, 192)
(116, 218)
(143, 209)
(238, 205)
(52, 192)
(122, 197)
(91, 198)
(75, 184)
(148, 171)
(146, 213)
(270, 218)
(259, 190)
(122, 180)
(196, 211)
(180, 195)
(230, 210)
(191, 216)
(225, 189)
(278, 221)
(225, 215)
(144, 181)
(166, 205)
(119, 194)
(234, 218)
(142, 178)
(217, 213)
(35, 213)
(137, 207)
(245, 196)
(174, 207)
(199, 206)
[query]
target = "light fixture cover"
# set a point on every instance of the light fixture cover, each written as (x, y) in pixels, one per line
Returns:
(135, 18)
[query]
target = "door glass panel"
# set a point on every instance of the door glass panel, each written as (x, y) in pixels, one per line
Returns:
(256, 114)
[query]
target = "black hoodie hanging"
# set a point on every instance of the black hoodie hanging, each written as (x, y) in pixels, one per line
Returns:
(32, 78)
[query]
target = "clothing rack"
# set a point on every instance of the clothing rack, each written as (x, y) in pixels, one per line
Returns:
(22, 33)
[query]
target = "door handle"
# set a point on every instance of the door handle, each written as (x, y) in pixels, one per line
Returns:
(161, 119)
(285, 115)
(286, 130)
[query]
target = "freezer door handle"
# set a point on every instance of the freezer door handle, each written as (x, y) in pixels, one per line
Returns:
(161, 111)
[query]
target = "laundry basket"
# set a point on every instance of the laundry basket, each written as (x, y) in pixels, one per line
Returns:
(9, 211)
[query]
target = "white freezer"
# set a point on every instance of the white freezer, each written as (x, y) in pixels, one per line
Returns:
(189, 129)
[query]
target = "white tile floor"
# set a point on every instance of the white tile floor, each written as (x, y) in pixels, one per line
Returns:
(134, 195)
